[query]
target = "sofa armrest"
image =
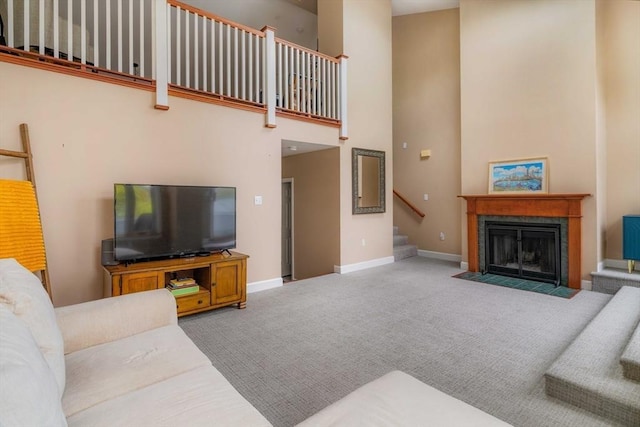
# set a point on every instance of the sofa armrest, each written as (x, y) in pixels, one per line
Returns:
(109, 319)
(400, 399)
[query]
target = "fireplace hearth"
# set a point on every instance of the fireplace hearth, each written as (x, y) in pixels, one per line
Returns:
(523, 250)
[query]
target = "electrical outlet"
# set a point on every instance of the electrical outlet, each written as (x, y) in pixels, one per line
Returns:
(442, 235)
(257, 200)
(425, 197)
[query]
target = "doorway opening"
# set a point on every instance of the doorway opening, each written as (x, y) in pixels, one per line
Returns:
(287, 230)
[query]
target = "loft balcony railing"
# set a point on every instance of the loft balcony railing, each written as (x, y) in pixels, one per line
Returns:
(174, 48)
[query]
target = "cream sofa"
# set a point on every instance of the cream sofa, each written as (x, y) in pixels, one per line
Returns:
(120, 361)
(124, 361)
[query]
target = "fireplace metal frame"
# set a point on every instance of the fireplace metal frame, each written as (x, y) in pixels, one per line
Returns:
(520, 272)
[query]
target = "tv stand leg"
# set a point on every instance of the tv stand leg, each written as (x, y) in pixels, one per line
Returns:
(242, 305)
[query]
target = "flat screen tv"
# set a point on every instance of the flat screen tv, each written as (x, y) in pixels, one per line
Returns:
(166, 221)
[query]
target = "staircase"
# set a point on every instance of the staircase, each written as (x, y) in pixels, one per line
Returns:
(600, 370)
(401, 247)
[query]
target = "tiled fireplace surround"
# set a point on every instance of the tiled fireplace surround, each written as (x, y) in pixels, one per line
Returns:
(563, 209)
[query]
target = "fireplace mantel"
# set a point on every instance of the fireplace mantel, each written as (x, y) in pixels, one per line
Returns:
(537, 205)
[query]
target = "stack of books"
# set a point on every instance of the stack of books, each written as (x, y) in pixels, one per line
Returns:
(186, 286)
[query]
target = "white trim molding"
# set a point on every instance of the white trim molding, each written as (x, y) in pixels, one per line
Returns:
(619, 264)
(263, 285)
(464, 265)
(350, 268)
(440, 255)
(586, 285)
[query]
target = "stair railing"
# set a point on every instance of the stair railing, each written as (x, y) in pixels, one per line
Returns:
(411, 206)
(169, 45)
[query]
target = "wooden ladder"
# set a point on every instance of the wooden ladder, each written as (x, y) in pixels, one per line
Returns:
(27, 156)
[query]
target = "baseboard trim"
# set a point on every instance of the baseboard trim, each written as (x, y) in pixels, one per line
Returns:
(464, 265)
(350, 268)
(439, 255)
(586, 285)
(263, 285)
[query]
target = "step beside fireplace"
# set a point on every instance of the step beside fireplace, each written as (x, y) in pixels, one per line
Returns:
(535, 237)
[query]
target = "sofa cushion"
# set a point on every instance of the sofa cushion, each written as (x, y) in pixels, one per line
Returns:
(29, 393)
(200, 397)
(22, 292)
(401, 400)
(106, 371)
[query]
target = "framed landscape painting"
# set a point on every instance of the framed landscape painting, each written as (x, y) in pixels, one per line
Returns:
(519, 176)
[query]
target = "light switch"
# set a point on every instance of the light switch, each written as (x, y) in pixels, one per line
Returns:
(258, 200)
(425, 197)
(404, 145)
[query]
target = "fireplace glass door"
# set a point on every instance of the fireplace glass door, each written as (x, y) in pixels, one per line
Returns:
(525, 251)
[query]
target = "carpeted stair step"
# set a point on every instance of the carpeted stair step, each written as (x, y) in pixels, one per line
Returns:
(610, 280)
(404, 251)
(630, 359)
(588, 374)
(401, 247)
(399, 240)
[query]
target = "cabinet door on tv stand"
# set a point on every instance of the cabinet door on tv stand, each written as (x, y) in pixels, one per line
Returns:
(138, 282)
(229, 283)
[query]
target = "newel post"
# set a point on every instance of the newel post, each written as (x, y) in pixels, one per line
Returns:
(343, 97)
(161, 53)
(270, 75)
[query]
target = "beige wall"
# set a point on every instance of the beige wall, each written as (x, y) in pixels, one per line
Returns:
(366, 39)
(330, 25)
(528, 89)
(532, 73)
(619, 35)
(426, 115)
(87, 135)
(316, 206)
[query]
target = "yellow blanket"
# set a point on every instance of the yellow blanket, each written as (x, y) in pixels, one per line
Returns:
(20, 227)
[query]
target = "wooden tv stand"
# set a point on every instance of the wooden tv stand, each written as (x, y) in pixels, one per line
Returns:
(222, 279)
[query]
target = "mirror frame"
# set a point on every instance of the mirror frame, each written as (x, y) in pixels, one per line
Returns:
(355, 152)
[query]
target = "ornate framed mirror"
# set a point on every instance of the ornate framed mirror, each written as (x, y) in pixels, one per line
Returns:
(368, 184)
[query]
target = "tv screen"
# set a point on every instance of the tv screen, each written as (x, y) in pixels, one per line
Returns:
(162, 221)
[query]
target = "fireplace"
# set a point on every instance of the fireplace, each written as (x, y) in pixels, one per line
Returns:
(537, 211)
(523, 250)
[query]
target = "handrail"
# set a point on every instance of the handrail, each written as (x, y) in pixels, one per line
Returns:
(214, 17)
(408, 203)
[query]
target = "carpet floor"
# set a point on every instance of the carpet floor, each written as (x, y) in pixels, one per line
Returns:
(300, 347)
